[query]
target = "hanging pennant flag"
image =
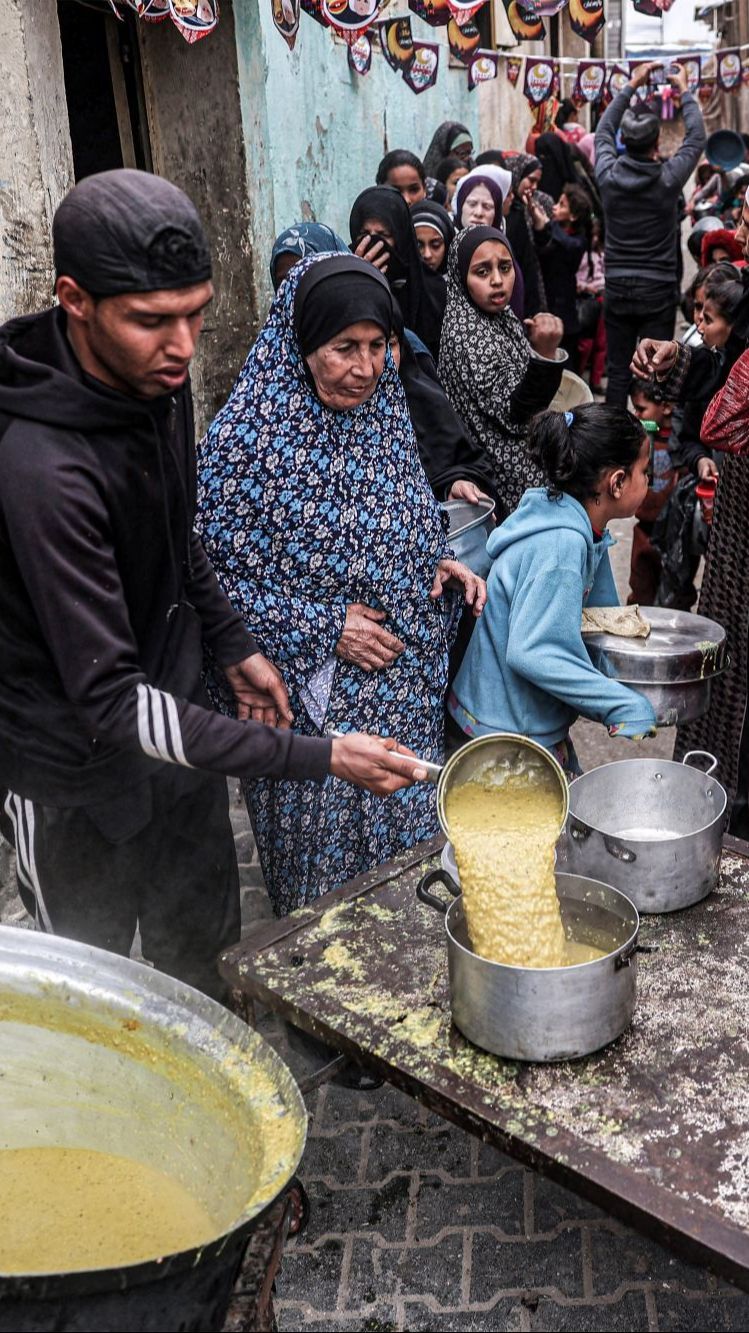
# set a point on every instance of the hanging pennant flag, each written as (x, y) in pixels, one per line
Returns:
(482, 69)
(556, 81)
(434, 12)
(539, 77)
(286, 20)
(589, 84)
(153, 11)
(514, 65)
(548, 8)
(728, 69)
(647, 7)
(397, 43)
(463, 40)
(193, 18)
(525, 23)
(350, 17)
(422, 72)
(618, 78)
(586, 18)
(314, 9)
(693, 70)
(360, 54)
(464, 10)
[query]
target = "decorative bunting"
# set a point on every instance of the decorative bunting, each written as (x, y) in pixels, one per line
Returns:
(482, 69)
(463, 40)
(591, 79)
(586, 18)
(286, 20)
(422, 72)
(728, 69)
(525, 23)
(693, 70)
(360, 54)
(548, 8)
(396, 40)
(464, 10)
(314, 9)
(513, 64)
(617, 80)
(539, 80)
(350, 17)
(434, 12)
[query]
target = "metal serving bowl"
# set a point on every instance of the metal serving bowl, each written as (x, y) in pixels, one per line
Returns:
(498, 756)
(470, 527)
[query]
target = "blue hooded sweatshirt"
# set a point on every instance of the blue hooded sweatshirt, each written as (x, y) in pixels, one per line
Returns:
(527, 669)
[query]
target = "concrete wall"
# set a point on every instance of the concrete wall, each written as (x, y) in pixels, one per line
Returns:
(36, 167)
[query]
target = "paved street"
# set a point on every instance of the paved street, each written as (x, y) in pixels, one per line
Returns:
(417, 1226)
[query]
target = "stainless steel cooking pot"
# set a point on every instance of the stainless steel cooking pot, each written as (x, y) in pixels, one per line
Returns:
(494, 758)
(545, 1013)
(673, 667)
(104, 1053)
(651, 827)
(470, 527)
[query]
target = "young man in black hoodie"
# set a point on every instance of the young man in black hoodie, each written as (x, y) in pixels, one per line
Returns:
(112, 763)
(640, 196)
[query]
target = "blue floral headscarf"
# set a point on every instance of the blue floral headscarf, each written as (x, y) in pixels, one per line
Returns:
(303, 239)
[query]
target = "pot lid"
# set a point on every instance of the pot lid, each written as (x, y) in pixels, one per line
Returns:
(681, 647)
(463, 515)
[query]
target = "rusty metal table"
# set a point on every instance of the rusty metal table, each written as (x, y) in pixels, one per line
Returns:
(655, 1128)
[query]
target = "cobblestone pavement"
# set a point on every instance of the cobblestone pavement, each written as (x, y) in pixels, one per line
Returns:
(418, 1226)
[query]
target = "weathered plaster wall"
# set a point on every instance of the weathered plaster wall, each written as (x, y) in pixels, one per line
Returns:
(36, 167)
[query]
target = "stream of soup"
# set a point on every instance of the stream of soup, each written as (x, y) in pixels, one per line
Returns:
(504, 836)
(73, 1208)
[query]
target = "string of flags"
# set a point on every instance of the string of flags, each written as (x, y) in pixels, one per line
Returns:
(193, 19)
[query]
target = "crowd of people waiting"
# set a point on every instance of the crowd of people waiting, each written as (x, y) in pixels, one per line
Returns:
(274, 606)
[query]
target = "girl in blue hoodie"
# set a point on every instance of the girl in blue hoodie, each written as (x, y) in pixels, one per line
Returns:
(527, 669)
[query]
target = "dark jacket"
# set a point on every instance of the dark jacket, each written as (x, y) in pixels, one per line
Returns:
(560, 253)
(519, 236)
(106, 593)
(641, 196)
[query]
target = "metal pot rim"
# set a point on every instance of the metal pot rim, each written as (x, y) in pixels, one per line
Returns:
(476, 743)
(571, 968)
(484, 508)
(645, 842)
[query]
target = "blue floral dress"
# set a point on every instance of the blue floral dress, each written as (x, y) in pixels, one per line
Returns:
(304, 510)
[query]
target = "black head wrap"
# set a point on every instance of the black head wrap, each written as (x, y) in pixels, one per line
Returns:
(445, 136)
(335, 293)
(421, 294)
(469, 243)
(129, 231)
(557, 163)
(427, 213)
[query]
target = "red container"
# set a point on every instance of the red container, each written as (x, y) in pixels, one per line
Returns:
(705, 492)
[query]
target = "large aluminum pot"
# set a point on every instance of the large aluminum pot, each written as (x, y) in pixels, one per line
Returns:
(471, 525)
(495, 756)
(545, 1013)
(104, 1053)
(651, 827)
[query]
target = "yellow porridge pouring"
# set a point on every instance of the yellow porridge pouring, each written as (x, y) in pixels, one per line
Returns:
(63, 1209)
(504, 836)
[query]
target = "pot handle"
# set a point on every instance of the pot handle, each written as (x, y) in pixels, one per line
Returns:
(705, 754)
(436, 877)
(578, 830)
(624, 959)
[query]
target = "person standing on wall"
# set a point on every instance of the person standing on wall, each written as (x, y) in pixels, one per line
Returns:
(112, 763)
(640, 195)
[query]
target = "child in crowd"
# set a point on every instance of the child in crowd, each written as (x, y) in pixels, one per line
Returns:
(527, 668)
(591, 347)
(645, 566)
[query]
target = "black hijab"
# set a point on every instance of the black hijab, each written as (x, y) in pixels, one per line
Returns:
(558, 167)
(447, 452)
(420, 293)
(441, 145)
(337, 292)
(427, 213)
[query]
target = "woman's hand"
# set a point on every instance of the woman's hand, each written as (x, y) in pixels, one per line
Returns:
(374, 251)
(467, 490)
(545, 332)
(260, 692)
(364, 642)
(707, 469)
(453, 571)
(373, 762)
(654, 357)
(538, 214)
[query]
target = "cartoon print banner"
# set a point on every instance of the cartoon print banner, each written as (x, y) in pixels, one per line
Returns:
(192, 18)
(397, 43)
(728, 69)
(618, 78)
(463, 40)
(422, 72)
(586, 18)
(525, 23)
(360, 54)
(286, 20)
(482, 69)
(434, 12)
(693, 70)
(514, 64)
(350, 17)
(539, 80)
(590, 81)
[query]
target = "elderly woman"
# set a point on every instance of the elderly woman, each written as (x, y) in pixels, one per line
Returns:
(324, 532)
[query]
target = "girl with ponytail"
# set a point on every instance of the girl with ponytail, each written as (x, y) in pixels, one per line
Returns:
(527, 669)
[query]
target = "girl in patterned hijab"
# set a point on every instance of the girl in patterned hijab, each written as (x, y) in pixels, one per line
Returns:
(304, 238)
(323, 530)
(496, 374)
